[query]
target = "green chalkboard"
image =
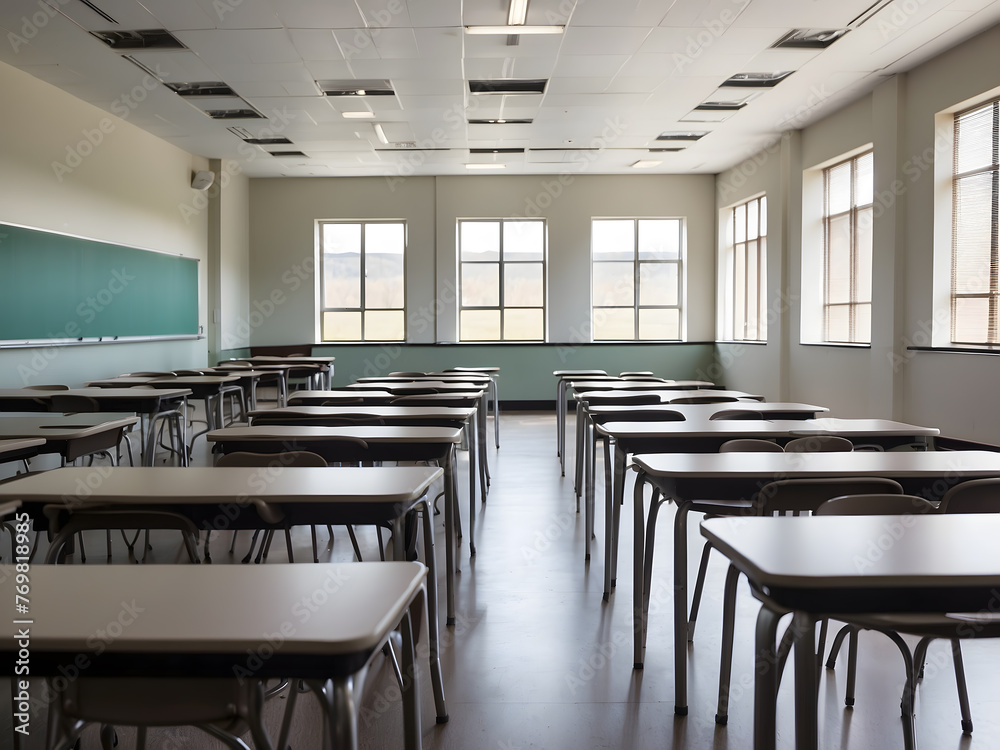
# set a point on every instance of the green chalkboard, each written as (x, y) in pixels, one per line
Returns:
(54, 286)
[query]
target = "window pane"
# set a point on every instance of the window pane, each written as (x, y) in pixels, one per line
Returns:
(384, 325)
(763, 216)
(341, 265)
(739, 291)
(838, 323)
(614, 324)
(973, 230)
(751, 323)
(762, 292)
(740, 223)
(838, 188)
(523, 240)
(480, 325)
(523, 285)
(659, 239)
(657, 283)
(480, 284)
(864, 179)
(384, 245)
(863, 284)
(970, 320)
(974, 140)
(614, 239)
(614, 284)
(752, 215)
(863, 323)
(523, 325)
(479, 240)
(659, 324)
(838, 265)
(341, 326)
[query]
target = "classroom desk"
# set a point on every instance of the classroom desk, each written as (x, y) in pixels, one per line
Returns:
(15, 449)
(325, 364)
(494, 374)
(338, 396)
(247, 379)
(203, 620)
(70, 435)
(809, 565)
(381, 443)
(687, 478)
(563, 377)
(428, 416)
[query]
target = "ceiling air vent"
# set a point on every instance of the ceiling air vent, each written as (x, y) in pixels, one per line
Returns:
(496, 150)
(809, 38)
(680, 135)
(665, 150)
(720, 106)
(287, 153)
(356, 87)
(500, 122)
(757, 80)
(509, 86)
(127, 41)
(235, 114)
(201, 89)
(268, 141)
(98, 11)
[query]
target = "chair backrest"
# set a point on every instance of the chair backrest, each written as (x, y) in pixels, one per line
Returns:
(736, 414)
(819, 444)
(287, 458)
(429, 399)
(65, 521)
(874, 505)
(803, 495)
(181, 373)
(750, 445)
(419, 390)
(74, 404)
(333, 420)
(660, 415)
(703, 400)
(148, 374)
(237, 363)
(52, 387)
(631, 399)
(345, 401)
(974, 496)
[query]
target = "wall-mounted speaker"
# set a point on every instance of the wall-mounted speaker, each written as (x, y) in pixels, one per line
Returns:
(203, 179)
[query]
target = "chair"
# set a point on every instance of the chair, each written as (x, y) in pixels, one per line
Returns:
(286, 458)
(52, 387)
(786, 497)
(973, 496)
(222, 708)
(703, 400)
(736, 414)
(750, 445)
(819, 444)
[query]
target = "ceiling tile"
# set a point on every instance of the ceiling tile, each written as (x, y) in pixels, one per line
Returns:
(241, 14)
(437, 14)
(241, 46)
(316, 44)
(589, 66)
(310, 14)
(590, 40)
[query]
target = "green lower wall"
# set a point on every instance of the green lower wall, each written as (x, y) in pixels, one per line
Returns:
(525, 369)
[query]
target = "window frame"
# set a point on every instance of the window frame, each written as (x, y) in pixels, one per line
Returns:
(361, 308)
(732, 330)
(501, 263)
(852, 213)
(992, 294)
(636, 306)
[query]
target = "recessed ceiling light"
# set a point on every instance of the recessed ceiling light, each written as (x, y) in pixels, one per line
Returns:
(646, 164)
(720, 106)
(508, 86)
(356, 87)
(517, 14)
(506, 30)
(680, 135)
(380, 134)
(365, 115)
(485, 166)
(809, 38)
(501, 122)
(757, 80)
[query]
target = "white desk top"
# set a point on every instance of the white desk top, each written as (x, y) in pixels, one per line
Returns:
(823, 552)
(423, 380)
(401, 387)
(388, 411)
(766, 428)
(637, 385)
(338, 393)
(667, 396)
(703, 411)
(563, 374)
(368, 433)
(14, 445)
(304, 360)
(214, 609)
(768, 466)
(206, 484)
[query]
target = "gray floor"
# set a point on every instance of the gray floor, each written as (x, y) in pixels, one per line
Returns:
(537, 660)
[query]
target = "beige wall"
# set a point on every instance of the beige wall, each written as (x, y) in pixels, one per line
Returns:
(130, 188)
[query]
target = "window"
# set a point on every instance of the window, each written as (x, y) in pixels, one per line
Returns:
(637, 279)
(847, 250)
(363, 289)
(974, 261)
(502, 279)
(746, 263)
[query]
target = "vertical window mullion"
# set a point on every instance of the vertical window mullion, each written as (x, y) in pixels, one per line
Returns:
(364, 306)
(994, 259)
(500, 275)
(635, 277)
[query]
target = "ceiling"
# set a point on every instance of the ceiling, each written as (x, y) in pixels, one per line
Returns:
(621, 75)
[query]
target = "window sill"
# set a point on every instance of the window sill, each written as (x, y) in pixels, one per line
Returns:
(748, 342)
(835, 345)
(955, 349)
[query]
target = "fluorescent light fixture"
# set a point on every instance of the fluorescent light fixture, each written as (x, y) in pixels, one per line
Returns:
(380, 134)
(518, 12)
(508, 30)
(364, 115)
(646, 164)
(486, 166)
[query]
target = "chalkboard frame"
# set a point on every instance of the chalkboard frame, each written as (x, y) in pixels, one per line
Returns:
(101, 291)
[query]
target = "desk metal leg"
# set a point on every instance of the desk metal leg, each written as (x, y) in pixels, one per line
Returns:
(411, 687)
(481, 449)
(578, 458)
(431, 602)
(588, 492)
(638, 553)
(680, 609)
(483, 408)
(561, 425)
(449, 533)
(806, 724)
(609, 519)
(474, 441)
(766, 680)
(618, 482)
(496, 411)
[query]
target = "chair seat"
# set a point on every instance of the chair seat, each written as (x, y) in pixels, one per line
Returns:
(945, 625)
